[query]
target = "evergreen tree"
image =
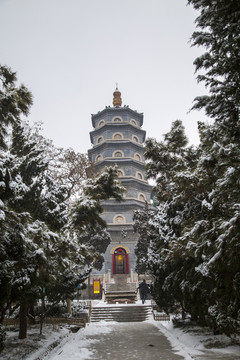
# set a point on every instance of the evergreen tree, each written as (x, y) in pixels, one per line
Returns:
(42, 252)
(194, 257)
(86, 222)
(14, 102)
(220, 151)
(171, 163)
(34, 208)
(97, 240)
(141, 220)
(219, 34)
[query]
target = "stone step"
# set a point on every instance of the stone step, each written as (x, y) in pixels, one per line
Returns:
(119, 319)
(122, 308)
(120, 287)
(121, 313)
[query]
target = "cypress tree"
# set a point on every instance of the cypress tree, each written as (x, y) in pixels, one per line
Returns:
(220, 151)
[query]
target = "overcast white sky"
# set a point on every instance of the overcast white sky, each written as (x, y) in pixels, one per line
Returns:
(71, 53)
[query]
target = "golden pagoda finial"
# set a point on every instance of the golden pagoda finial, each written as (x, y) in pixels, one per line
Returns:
(117, 101)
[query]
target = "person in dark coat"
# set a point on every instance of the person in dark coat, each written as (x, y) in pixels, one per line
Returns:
(144, 290)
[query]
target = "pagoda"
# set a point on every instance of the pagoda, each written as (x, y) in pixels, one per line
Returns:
(117, 139)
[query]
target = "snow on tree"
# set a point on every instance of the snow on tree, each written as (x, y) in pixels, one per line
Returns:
(143, 228)
(220, 152)
(86, 221)
(219, 34)
(171, 163)
(42, 247)
(67, 167)
(14, 101)
(194, 258)
(33, 211)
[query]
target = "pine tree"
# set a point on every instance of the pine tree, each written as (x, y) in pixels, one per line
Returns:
(33, 209)
(219, 34)
(42, 248)
(172, 164)
(194, 256)
(219, 161)
(144, 229)
(86, 222)
(38, 208)
(14, 102)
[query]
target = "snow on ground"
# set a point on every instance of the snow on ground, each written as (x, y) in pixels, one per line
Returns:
(35, 345)
(193, 341)
(187, 344)
(189, 341)
(78, 346)
(100, 303)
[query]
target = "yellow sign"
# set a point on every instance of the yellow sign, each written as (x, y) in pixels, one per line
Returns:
(96, 286)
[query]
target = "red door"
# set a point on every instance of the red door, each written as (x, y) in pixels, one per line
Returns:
(120, 262)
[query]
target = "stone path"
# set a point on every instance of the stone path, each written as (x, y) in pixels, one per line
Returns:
(133, 340)
(128, 341)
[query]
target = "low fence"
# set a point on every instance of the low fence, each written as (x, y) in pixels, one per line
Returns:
(14, 322)
(160, 316)
(81, 322)
(69, 321)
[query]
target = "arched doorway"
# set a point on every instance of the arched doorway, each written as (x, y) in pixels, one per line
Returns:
(120, 261)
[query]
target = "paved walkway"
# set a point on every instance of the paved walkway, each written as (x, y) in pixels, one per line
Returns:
(134, 340)
(128, 341)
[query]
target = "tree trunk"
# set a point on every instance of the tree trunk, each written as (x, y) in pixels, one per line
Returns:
(183, 312)
(89, 289)
(2, 316)
(23, 320)
(183, 315)
(42, 315)
(69, 307)
(31, 314)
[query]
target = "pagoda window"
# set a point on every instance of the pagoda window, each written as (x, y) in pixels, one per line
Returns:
(101, 123)
(99, 139)
(133, 122)
(118, 154)
(137, 157)
(119, 219)
(120, 173)
(117, 136)
(98, 158)
(117, 119)
(141, 197)
(139, 175)
(135, 138)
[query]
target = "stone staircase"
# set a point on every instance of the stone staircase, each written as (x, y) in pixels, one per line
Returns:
(119, 290)
(124, 313)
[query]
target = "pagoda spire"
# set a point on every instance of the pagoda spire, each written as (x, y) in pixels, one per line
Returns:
(117, 101)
